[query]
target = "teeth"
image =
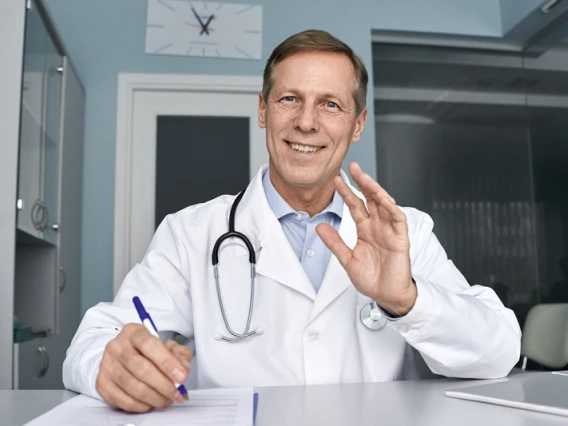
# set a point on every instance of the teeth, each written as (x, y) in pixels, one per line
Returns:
(304, 148)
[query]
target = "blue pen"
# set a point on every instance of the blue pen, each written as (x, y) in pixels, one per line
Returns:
(151, 327)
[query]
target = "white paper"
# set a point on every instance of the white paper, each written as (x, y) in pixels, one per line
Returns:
(214, 407)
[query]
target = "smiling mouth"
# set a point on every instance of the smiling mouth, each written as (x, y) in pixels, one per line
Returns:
(305, 149)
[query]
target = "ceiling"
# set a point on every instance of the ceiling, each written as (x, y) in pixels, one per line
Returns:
(465, 86)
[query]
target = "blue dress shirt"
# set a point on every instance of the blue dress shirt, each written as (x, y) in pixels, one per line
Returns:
(300, 230)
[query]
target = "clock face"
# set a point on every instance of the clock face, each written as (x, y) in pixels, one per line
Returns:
(201, 28)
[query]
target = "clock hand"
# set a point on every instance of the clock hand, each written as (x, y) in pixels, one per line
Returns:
(191, 24)
(198, 26)
(205, 28)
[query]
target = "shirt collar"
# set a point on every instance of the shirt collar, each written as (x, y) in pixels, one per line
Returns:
(281, 208)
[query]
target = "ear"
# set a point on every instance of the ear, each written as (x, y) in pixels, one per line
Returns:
(359, 125)
(261, 112)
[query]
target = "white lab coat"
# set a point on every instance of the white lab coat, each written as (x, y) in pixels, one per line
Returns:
(309, 338)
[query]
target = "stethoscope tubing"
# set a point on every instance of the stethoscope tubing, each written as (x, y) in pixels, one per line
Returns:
(252, 260)
(245, 333)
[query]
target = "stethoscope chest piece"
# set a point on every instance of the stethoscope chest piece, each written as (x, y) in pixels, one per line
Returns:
(372, 318)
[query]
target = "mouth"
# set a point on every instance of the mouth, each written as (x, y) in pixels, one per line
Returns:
(304, 149)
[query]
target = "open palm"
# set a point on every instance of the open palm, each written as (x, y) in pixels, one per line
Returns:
(379, 264)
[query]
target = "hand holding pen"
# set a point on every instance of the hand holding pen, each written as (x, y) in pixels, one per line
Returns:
(151, 327)
(138, 371)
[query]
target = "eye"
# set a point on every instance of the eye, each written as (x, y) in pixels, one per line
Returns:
(288, 98)
(333, 105)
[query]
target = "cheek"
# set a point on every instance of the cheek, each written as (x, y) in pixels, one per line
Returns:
(341, 133)
(277, 121)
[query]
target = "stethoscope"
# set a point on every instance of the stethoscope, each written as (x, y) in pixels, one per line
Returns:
(372, 318)
(370, 314)
(252, 260)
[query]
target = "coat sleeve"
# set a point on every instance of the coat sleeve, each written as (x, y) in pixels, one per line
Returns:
(160, 282)
(460, 330)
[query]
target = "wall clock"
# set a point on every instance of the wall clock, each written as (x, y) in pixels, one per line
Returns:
(202, 28)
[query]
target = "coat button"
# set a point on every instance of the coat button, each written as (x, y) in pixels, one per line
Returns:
(313, 335)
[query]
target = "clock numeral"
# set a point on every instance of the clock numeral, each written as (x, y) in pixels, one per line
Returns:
(167, 6)
(161, 49)
(243, 52)
(246, 9)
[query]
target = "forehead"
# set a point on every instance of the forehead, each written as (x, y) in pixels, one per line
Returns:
(315, 72)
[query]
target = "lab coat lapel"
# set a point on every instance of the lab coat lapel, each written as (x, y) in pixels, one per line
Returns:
(276, 259)
(336, 280)
(279, 262)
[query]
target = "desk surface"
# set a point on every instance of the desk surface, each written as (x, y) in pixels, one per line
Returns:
(391, 403)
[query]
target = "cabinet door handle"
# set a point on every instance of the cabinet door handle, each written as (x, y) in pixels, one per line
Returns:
(45, 216)
(45, 361)
(63, 279)
(36, 218)
(40, 215)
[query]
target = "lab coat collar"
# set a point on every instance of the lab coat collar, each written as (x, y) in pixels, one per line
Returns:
(276, 259)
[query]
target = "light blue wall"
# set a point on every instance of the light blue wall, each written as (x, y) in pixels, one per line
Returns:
(514, 11)
(105, 37)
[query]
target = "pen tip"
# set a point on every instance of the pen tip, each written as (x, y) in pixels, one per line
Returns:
(183, 391)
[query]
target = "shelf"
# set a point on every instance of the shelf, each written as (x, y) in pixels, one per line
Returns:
(24, 239)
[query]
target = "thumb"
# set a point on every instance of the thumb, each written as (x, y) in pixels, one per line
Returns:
(334, 243)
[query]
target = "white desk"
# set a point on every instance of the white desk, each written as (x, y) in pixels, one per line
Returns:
(394, 403)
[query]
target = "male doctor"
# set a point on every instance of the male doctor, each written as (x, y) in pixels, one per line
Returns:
(324, 251)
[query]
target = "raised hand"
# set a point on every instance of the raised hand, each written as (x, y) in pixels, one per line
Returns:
(379, 264)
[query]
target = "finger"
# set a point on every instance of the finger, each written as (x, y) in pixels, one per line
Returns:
(117, 398)
(153, 349)
(368, 186)
(139, 390)
(356, 205)
(334, 243)
(395, 214)
(372, 206)
(183, 353)
(146, 372)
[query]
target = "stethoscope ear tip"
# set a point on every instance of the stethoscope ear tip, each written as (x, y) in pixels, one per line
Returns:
(259, 330)
(217, 336)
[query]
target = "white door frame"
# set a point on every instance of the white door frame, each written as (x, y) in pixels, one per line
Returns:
(128, 85)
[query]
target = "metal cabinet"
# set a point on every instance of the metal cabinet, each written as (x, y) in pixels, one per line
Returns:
(38, 176)
(36, 369)
(48, 271)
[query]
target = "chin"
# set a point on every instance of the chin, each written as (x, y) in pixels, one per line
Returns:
(302, 177)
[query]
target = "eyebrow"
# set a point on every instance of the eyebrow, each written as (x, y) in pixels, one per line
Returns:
(332, 95)
(323, 95)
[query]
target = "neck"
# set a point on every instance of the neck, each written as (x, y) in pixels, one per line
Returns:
(312, 200)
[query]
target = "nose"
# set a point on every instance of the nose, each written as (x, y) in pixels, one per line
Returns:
(307, 119)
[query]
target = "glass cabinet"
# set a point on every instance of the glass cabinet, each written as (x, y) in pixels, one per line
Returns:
(38, 179)
(48, 235)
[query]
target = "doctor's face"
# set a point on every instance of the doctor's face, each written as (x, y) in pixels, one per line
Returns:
(310, 118)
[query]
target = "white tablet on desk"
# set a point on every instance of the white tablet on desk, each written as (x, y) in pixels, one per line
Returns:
(544, 392)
